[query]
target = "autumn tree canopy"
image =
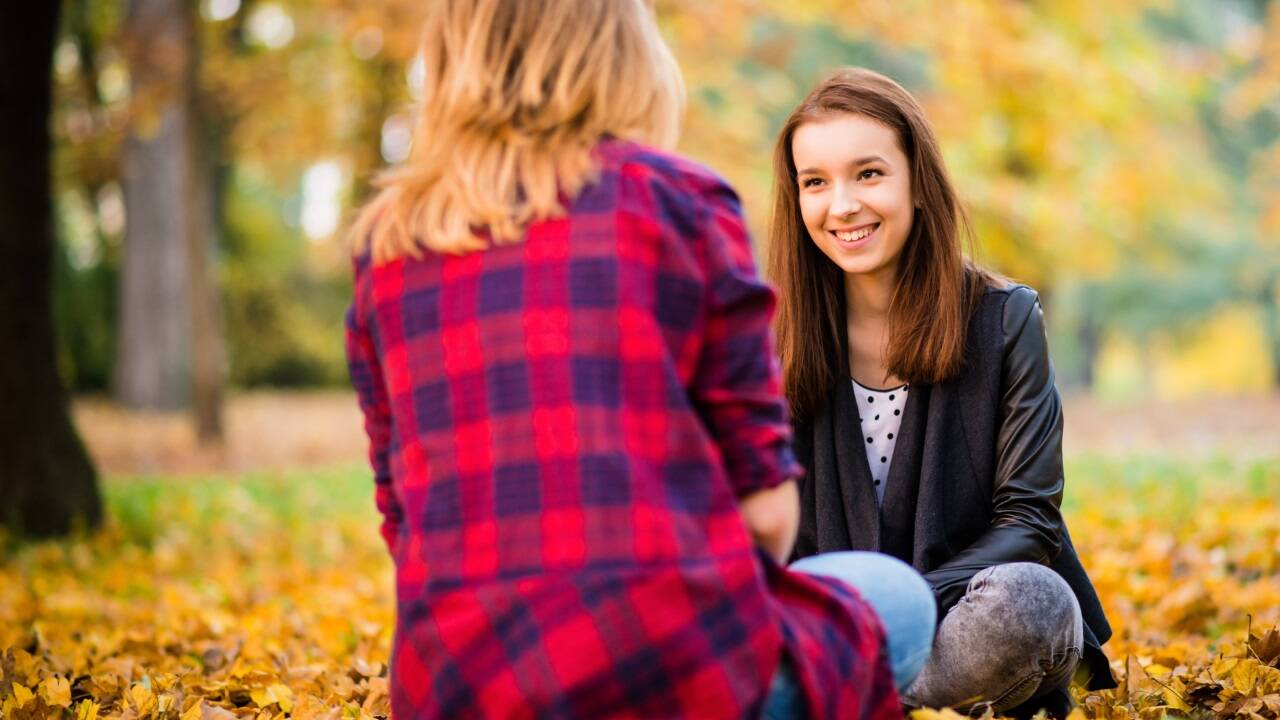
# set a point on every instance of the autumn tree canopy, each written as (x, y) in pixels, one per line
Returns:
(1125, 162)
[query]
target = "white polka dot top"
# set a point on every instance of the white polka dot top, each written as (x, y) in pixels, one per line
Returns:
(881, 412)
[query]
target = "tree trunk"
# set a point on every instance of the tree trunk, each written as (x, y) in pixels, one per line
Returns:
(170, 351)
(153, 361)
(47, 483)
(208, 366)
(1089, 335)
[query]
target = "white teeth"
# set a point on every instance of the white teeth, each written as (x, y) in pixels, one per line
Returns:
(857, 234)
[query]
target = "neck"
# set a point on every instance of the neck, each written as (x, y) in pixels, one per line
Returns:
(867, 295)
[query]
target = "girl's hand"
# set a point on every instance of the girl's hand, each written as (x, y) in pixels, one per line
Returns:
(772, 516)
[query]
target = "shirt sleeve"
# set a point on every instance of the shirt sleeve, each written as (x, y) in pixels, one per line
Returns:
(737, 386)
(1026, 524)
(366, 378)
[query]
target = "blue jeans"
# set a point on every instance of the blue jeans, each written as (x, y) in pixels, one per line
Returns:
(898, 594)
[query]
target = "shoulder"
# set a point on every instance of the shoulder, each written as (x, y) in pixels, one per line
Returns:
(1015, 304)
(670, 176)
(1023, 340)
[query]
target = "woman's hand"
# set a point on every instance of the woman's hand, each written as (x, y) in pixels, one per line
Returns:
(772, 516)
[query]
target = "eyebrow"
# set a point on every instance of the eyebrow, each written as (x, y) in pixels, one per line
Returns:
(856, 163)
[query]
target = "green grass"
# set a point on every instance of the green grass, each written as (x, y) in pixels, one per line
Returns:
(143, 507)
(1170, 486)
(140, 504)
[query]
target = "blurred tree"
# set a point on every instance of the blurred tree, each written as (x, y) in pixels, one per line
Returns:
(47, 483)
(1232, 257)
(170, 349)
(87, 126)
(1078, 139)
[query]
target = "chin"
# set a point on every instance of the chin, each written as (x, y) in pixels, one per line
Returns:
(859, 266)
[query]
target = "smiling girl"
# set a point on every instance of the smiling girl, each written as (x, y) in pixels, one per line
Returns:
(924, 404)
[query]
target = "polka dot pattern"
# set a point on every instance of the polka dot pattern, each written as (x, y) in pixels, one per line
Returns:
(879, 427)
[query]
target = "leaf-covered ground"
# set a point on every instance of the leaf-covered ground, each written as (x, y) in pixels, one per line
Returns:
(270, 596)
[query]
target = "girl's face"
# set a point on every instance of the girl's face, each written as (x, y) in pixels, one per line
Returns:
(854, 190)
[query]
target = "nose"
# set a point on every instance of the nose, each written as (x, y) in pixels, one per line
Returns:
(846, 202)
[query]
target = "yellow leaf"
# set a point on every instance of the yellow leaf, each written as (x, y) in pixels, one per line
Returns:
(193, 713)
(1174, 700)
(21, 695)
(263, 697)
(87, 710)
(56, 691)
(1155, 669)
(283, 695)
(144, 700)
(1268, 680)
(1244, 676)
(24, 665)
(1223, 666)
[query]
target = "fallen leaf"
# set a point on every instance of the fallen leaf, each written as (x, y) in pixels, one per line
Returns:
(21, 695)
(56, 691)
(1266, 647)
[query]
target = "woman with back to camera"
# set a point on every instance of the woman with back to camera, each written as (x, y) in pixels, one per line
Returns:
(924, 404)
(562, 352)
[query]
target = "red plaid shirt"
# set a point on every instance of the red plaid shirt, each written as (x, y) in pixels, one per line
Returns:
(559, 431)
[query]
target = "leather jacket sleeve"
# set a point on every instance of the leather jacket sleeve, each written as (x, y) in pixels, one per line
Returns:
(1026, 523)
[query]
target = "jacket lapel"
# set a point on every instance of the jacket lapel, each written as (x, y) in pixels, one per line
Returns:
(897, 516)
(978, 386)
(858, 496)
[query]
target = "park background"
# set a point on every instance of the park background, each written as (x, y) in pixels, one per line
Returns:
(1122, 158)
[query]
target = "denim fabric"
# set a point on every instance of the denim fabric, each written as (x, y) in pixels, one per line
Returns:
(898, 594)
(784, 701)
(1015, 635)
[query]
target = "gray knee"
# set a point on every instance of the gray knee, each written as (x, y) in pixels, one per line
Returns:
(1036, 611)
(1014, 634)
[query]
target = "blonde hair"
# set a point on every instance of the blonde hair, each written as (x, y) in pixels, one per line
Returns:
(516, 95)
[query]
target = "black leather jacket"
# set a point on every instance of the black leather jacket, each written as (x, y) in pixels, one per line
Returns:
(976, 478)
(1026, 525)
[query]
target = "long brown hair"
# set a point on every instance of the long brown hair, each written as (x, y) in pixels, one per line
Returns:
(515, 96)
(937, 289)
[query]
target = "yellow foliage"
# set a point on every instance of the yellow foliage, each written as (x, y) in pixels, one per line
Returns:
(243, 615)
(210, 617)
(1228, 354)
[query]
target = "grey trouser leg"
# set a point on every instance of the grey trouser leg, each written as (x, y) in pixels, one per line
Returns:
(1016, 633)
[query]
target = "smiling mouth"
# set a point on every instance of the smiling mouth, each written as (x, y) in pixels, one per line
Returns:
(857, 235)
